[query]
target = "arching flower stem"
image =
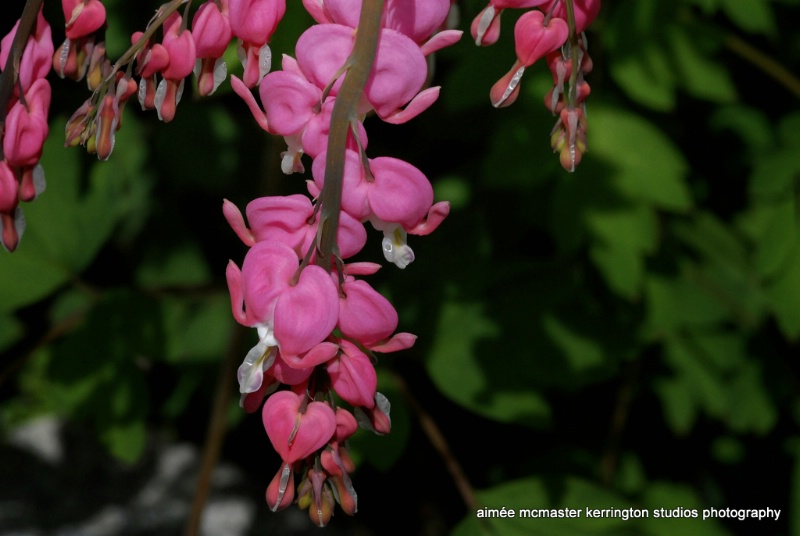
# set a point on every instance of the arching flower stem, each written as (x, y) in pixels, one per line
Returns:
(572, 96)
(345, 111)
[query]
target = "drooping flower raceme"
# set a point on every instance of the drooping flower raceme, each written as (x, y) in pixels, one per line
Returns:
(320, 324)
(545, 32)
(25, 128)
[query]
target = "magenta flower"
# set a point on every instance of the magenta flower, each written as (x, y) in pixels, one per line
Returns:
(291, 220)
(180, 48)
(396, 198)
(398, 75)
(37, 58)
(254, 22)
(294, 313)
(353, 376)
(485, 27)
(212, 33)
(297, 428)
(533, 40)
(83, 17)
(364, 314)
(26, 126)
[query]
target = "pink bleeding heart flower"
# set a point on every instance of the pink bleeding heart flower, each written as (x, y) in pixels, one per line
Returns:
(289, 100)
(353, 376)
(534, 40)
(179, 45)
(585, 12)
(37, 58)
(396, 198)
(211, 29)
(399, 72)
(254, 22)
(485, 27)
(295, 429)
(364, 314)
(294, 313)
(291, 220)
(417, 19)
(9, 189)
(83, 17)
(212, 33)
(26, 126)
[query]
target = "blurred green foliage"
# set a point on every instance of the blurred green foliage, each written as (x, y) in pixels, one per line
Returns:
(622, 336)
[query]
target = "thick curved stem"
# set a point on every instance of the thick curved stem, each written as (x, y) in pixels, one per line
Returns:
(345, 110)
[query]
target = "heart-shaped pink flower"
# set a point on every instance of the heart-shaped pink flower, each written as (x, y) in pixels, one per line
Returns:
(296, 435)
(534, 40)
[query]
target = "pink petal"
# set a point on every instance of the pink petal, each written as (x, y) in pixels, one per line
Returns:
(353, 376)
(305, 314)
(289, 101)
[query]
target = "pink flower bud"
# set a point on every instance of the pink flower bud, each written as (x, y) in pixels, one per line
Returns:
(254, 21)
(211, 30)
(280, 492)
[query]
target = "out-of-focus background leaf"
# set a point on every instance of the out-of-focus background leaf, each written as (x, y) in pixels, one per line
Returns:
(624, 336)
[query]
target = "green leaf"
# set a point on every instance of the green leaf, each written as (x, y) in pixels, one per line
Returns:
(675, 303)
(750, 409)
(642, 162)
(777, 236)
(754, 16)
(581, 352)
(623, 269)
(125, 441)
(677, 403)
(456, 367)
(646, 76)
(624, 236)
(784, 296)
(702, 381)
(701, 75)
(10, 330)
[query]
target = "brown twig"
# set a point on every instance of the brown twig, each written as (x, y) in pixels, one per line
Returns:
(217, 428)
(610, 458)
(439, 442)
(768, 65)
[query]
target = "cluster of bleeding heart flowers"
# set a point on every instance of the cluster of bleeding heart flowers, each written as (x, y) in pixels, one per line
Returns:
(319, 323)
(25, 128)
(545, 32)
